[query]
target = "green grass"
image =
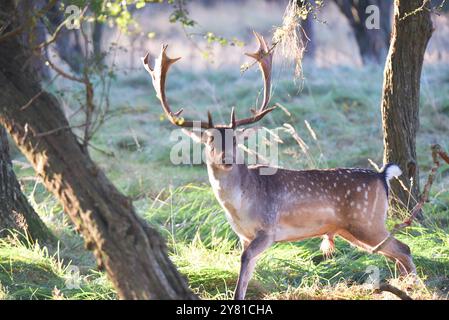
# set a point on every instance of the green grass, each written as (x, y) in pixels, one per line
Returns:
(28, 271)
(342, 107)
(206, 251)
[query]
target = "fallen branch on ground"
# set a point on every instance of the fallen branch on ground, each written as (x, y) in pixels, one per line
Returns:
(392, 289)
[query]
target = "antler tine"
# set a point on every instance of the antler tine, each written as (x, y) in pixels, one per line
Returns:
(264, 57)
(232, 124)
(158, 76)
(209, 120)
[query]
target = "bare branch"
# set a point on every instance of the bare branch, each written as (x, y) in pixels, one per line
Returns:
(28, 22)
(63, 73)
(55, 34)
(392, 289)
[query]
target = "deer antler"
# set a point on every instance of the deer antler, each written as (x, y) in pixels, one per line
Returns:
(158, 74)
(264, 57)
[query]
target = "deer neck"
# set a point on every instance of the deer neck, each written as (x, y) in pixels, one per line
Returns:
(227, 184)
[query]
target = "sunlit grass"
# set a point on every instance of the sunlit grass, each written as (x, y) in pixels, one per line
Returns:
(341, 106)
(29, 271)
(205, 250)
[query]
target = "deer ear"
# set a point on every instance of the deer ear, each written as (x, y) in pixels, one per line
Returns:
(196, 136)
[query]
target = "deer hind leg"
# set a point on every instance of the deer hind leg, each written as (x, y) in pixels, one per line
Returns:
(394, 249)
(248, 262)
(400, 253)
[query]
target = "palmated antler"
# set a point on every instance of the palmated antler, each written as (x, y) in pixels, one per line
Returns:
(159, 74)
(264, 57)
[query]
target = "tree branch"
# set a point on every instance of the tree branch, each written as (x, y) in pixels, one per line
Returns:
(28, 22)
(392, 289)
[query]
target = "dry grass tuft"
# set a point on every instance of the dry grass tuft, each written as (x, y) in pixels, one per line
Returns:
(287, 37)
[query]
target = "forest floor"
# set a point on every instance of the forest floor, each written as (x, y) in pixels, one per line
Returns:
(341, 106)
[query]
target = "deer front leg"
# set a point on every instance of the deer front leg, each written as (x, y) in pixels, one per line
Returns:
(248, 261)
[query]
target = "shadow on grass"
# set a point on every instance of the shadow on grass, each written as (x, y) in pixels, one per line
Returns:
(28, 280)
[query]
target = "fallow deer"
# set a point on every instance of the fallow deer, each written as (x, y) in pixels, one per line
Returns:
(290, 205)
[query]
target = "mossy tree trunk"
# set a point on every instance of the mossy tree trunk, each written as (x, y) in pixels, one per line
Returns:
(16, 214)
(133, 254)
(412, 30)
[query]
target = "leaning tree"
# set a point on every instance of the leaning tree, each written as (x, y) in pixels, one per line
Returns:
(16, 214)
(412, 30)
(133, 253)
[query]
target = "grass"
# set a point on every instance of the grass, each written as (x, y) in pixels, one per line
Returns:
(28, 271)
(204, 248)
(179, 202)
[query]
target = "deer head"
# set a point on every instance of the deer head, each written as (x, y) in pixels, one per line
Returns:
(219, 139)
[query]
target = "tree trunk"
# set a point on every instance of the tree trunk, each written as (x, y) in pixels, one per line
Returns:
(372, 43)
(308, 37)
(133, 254)
(307, 31)
(34, 37)
(16, 214)
(97, 35)
(67, 44)
(400, 100)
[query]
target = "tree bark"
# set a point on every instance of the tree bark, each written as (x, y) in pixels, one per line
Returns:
(400, 100)
(34, 37)
(67, 44)
(16, 214)
(307, 31)
(372, 43)
(97, 35)
(133, 254)
(308, 37)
